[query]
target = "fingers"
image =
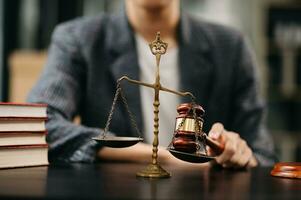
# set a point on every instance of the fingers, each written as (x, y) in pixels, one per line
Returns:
(216, 131)
(252, 162)
(231, 146)
(237, 153)
(242, 155)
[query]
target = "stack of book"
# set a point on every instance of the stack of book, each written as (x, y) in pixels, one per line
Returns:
(23, 135)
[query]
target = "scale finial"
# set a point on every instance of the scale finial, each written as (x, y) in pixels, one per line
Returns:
(158, 47)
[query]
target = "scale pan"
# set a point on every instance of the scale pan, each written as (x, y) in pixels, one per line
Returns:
(117, 142)
(190, 157)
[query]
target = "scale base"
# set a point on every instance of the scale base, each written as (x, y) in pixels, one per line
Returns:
(153, 171)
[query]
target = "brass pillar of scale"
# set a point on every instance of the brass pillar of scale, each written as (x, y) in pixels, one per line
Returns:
(158, 47)
(154, 170)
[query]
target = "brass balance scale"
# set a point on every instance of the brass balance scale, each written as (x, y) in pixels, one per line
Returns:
(188, 137)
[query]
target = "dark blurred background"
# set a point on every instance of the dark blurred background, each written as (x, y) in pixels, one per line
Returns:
(273, 28)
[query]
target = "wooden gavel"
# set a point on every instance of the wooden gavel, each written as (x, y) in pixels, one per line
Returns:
(188, 130)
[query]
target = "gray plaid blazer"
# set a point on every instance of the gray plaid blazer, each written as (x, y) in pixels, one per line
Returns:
(88, 55)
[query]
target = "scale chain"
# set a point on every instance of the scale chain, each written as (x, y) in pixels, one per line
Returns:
(197, 127)
(111, 111)
(197, 124)
(132, 119)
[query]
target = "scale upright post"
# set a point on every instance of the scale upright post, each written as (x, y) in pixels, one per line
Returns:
(158, 48)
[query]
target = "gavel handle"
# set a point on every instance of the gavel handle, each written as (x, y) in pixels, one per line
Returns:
(217, 147)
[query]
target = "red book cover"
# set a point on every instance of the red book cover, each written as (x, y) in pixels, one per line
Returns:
(24, 104)
(23, 132)
(23, 118)
(24, 146)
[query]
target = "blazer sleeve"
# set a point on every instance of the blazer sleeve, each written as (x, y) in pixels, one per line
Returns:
(249, 107)
(61, 87)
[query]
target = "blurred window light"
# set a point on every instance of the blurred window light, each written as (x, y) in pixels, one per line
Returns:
(288, 35)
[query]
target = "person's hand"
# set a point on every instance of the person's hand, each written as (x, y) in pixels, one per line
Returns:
(237, 153)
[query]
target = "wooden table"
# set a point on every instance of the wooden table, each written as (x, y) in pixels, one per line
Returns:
(118, 181)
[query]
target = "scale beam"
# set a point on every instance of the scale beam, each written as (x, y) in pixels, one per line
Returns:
(154, 87)
(135, 82)
(177, 93)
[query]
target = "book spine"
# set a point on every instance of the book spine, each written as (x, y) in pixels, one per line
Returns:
(23, 104)
(23, 166)
(16, 118)
(24, 146)
(22, 132)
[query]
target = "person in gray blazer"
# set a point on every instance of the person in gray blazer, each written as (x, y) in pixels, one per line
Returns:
(88, 55)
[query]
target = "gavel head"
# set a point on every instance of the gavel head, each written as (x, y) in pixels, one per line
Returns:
(188, 127)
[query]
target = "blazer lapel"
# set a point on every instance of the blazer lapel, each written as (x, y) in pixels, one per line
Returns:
(196, 71)
(121, 43)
